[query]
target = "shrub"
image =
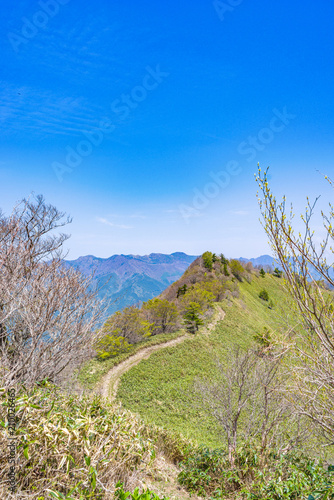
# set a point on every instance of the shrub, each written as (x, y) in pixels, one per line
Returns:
(236, 269)
(262, 272)
(264, 295)
(70, 442)
(263, 338)
(181, 290)
(120, 494)
(277, 273)
(274, 477)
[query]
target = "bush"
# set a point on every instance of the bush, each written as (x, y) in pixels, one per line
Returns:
(262, 272)
(264, 295)
(271, 477)
(71, 442)
(236, 269)
(277, 273)
(120, 494)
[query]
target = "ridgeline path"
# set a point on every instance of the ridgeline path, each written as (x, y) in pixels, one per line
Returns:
(109, 383)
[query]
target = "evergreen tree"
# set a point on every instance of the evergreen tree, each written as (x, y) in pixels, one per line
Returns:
(192, 318)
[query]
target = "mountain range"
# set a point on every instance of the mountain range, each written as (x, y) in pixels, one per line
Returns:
(126, 280)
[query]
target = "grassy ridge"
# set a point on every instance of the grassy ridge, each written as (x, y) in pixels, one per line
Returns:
(159, 389)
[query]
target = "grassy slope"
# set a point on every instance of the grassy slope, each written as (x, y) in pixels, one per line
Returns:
(159, 388)
(93, 371)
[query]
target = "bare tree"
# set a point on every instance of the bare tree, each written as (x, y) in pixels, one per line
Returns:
(247, 399)
(48, 313)
(230, 395)
(308, 277)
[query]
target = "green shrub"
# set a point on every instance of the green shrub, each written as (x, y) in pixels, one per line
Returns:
(236, 269)
(264, 295)
(120, 494)
(255, 477)
(262, 272)
(277, 273)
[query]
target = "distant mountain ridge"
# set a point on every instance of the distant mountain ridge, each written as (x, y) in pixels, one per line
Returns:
(131, 279)
(126, 280)
(263, 260)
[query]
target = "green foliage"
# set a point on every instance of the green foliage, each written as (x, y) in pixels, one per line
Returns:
(226, 273)
(263, 338)
(208, 260)
(277, 273)
(121, 330)
(200, 293)
(164, 382)
(120, 494)
(236, 269)
(256, 477)
(181, 290)
(192, 319)
(262, 272)
(75, 447)
(162, 315)
(223, 259)
(111, 345)
(264, 295)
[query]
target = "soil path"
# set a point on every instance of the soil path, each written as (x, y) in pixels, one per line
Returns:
(109, 383)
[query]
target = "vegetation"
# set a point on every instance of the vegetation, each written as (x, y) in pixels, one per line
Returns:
(48, 313)
(282, 477)
(277, 273)
(192, 318)
(308, 276)
(208, 260)
(70, 443)
(165, 381)
(246, 410)
(264, 295)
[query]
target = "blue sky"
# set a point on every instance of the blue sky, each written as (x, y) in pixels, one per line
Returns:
(145, 120)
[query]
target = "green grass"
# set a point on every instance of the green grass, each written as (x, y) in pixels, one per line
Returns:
(160, 388)
(92, 371)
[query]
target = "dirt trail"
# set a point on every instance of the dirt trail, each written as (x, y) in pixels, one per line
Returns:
(109, 383)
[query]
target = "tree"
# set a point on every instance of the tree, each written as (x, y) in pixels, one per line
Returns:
(199, 294)
(192, 319)
(181, 290)
(304, 261)
(262, 272)
(48, 313)
(129, 324)
(162, 314)
(252, 386)
(208, 260)
(236, 269)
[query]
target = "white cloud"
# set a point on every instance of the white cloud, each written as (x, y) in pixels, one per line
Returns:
(111, 224)
(239, 212)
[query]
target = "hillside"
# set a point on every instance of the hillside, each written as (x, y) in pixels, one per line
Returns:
(160, 389)
(125, 280)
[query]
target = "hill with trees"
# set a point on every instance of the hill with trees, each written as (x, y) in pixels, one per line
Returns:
(235, 400)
